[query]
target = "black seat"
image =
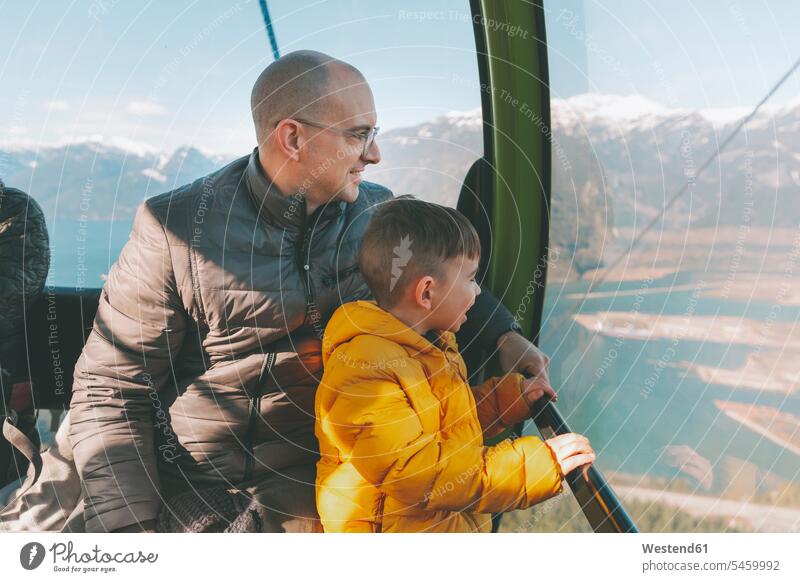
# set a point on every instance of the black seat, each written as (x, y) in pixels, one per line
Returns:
(58, 325)
(475, 202)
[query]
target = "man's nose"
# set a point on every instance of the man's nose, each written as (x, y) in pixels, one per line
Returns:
(373, 154)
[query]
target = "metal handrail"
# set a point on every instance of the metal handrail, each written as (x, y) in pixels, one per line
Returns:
(597, 499)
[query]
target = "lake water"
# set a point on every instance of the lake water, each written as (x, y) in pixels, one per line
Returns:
(644, 409)
(82, 252)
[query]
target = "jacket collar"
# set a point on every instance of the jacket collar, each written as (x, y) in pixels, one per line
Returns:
(366, 318)
(287, 212)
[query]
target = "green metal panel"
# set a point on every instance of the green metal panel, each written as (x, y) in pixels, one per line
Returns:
(520, 153)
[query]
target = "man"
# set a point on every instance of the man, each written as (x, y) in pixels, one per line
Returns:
(203, 361)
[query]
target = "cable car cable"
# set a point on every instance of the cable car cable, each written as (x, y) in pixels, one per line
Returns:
(270, 31)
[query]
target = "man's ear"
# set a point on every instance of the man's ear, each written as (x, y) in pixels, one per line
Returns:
(288, 138)
(423, 292)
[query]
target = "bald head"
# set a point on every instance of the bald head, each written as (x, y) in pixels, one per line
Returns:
(300, 84)
(315, 123)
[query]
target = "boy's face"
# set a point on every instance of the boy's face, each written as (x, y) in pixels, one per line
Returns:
(455, 292)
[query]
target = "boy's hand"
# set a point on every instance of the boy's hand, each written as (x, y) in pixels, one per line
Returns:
(536, 387)
(572, 451)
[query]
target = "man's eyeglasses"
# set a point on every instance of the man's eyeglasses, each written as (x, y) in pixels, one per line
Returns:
(366, 135)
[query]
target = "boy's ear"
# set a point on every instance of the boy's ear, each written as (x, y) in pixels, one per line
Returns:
(423, 292)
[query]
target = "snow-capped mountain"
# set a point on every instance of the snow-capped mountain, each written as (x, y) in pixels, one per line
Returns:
(648, 152)
(97, 180)
(628, 153)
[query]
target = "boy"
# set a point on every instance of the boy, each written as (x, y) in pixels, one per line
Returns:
(401, 432)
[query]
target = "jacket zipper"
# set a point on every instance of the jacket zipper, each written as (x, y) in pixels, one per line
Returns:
(255, 410)
(255, 401)
(312, 314)
(303, 263)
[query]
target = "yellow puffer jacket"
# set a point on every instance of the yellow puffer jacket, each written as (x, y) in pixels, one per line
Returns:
(401, 437)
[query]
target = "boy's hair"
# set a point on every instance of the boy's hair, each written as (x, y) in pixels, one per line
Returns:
(408, 238)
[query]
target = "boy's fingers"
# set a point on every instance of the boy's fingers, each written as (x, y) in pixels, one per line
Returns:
(583, 442)
(572, 463)
(576, 448)
(570, 444)
(569, 438)
(572, 451)
(558, 440)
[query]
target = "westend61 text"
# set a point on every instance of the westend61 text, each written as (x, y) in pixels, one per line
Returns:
(670, 549)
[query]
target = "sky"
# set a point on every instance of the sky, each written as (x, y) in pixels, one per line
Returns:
(159, 75)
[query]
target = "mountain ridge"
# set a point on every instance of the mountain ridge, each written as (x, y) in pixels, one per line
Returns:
(617, 160)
